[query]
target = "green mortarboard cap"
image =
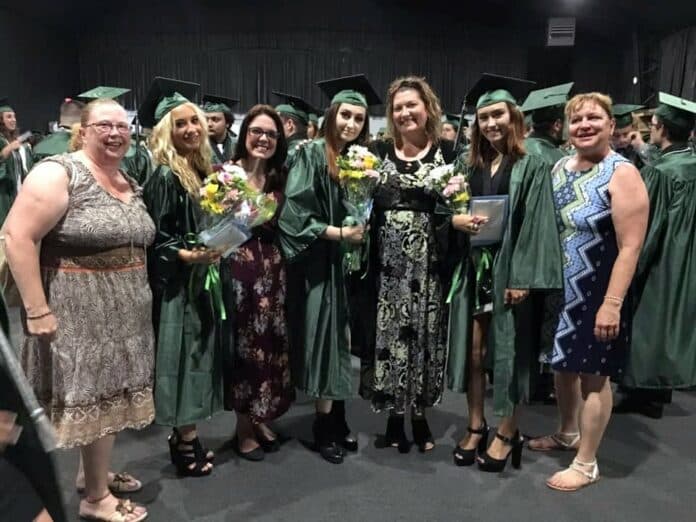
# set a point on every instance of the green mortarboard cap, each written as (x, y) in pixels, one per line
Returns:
(493, 88)
(102, 92)
(452, 119)
(622, 114)
(295, 106)
(355, 90)
(164, 95)
(677, 111)
(314, 118)
(5, 105)
(212, 103)
(548, 97)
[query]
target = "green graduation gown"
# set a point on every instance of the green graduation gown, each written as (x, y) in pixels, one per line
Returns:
(294, 144)
(663, 346)
(227, 149)
(542, 146)
(529, 257)
(188, 367)
(55, 143)
(316, 296)
(137, 163)
(8, 176)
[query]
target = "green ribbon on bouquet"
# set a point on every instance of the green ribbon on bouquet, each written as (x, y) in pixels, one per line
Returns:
(456, 281)
(212, 283)
(484, 263)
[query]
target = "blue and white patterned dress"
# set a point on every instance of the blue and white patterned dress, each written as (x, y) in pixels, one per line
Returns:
(583, 216)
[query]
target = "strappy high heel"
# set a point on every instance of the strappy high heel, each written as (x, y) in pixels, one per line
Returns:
(184, 453)
(489, 464)
(466, 457)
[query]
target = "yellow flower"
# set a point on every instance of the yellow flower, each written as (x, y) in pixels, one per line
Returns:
(369, 162)
(211, 188)
(462, 197)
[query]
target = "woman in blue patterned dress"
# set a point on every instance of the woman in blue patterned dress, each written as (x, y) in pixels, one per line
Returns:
(602, 213)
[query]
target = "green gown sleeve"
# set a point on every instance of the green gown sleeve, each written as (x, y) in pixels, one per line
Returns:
(657, 185)
(8, 185)
(304, 217)
(162, 194)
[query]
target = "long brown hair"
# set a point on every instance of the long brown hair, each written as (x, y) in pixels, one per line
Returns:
(4, 131)
(275, 165)
(433, 127)
(330, 132)
(481, 151)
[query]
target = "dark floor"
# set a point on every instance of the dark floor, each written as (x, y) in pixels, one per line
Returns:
(647, 467)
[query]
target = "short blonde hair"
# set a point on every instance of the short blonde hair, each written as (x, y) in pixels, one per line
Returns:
(433, 127)
(577, 101)
(188, 170)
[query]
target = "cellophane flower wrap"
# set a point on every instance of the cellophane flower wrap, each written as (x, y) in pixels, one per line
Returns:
(452, 185)
(358, 175)
(232, 207)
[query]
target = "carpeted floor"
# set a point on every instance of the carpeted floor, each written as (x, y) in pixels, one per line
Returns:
(647, 467)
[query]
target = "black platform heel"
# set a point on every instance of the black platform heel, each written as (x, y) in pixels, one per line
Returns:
(466, 457)
(186, 452)
(344, 438)
(395, 436)
(421, 433)
(489, 464)
(325, 438)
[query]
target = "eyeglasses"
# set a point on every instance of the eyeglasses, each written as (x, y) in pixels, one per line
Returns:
(105, 127)
(258, 132)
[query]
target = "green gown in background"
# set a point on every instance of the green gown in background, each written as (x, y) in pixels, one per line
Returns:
(663, 346)
(227, 149)
(137, 162)
(55, 143)
(10, 167)
(316, 298)
(540, 145)
(294, 143)
(188, 367)
(529, 257)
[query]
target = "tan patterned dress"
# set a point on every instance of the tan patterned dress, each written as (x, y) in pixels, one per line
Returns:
(95, 378)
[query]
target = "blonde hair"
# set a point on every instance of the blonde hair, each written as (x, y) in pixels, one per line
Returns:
(433, 127)
(75, 138)
(187, 169)
(577, 101)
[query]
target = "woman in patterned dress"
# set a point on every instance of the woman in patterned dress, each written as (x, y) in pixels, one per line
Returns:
(407, 371)
(602, 213)
(89, 345)
(258, 385)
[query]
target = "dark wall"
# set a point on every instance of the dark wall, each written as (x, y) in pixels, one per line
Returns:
(39, 69)
(678, 64)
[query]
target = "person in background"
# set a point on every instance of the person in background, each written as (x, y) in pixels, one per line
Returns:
(58, 142)
(218, 112)
(15, 158)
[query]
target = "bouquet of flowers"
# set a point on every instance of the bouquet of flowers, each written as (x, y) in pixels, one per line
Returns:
(232, 208)
(452, 186)
(359, 178)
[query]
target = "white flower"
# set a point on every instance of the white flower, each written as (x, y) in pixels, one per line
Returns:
(235, 170)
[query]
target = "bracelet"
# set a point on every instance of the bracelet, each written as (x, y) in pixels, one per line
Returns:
(614, 298)
(340, 234)
(40, 316)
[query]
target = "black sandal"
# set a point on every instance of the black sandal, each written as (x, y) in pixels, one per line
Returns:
(492, 465)
(467, 457)
(174, 439)
(421, 433)
(347, 441)
(184, 453)
(395, 436)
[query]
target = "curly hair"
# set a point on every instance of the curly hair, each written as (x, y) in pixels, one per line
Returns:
(188, 170)
(433, 127)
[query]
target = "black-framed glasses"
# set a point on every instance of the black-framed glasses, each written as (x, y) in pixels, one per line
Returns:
(257, 132)
(105, 127)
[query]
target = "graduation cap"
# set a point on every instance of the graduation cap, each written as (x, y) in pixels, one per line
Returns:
(622, 114)
(453, 119)
(103, 92)
(295, 106)
(314, 118)
(212, 103)
(355, 90)
(164, 95)
(677, 111)
(546, 104)
(5, 105)
(494, 88)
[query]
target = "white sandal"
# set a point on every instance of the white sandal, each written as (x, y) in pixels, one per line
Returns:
(577, 466)
(560, 441)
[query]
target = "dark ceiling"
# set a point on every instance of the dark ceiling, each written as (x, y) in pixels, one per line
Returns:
(602, 15)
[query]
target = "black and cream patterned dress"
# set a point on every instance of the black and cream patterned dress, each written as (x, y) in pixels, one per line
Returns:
(411, 323)
(95, 378)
